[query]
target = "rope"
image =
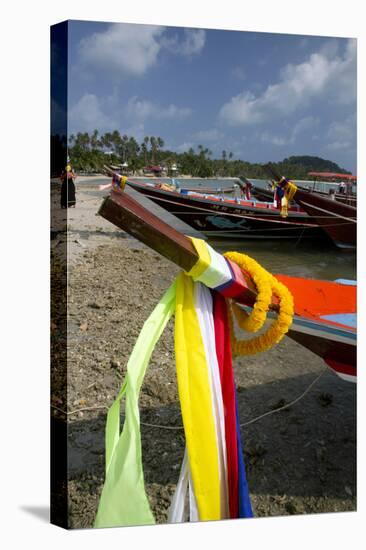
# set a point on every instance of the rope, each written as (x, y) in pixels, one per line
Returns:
(288, 404)
(164, 427)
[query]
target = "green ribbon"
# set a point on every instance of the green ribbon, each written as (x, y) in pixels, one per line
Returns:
(123, 500)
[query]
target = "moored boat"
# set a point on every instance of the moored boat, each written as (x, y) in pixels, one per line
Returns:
(219, 217)
(340, 186)
(267, 195)
(338, 220)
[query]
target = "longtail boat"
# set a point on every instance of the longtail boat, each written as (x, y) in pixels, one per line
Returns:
(267, 195)
(338, 220)
(325, 311)
(216, 216)
(344, 194)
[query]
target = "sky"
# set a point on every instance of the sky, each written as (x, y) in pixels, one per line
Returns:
(261, 96)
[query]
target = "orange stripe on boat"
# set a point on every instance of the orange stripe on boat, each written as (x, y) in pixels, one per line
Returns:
(314, 298)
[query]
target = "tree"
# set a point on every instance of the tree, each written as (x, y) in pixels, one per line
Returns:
(144, 152)
(94, 142)
(153, 144)
(88, 151)
(116, 142)
(146, 142)
(159, 143)
(124, 142)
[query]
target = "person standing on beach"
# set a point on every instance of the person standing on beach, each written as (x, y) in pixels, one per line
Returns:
(68, 198)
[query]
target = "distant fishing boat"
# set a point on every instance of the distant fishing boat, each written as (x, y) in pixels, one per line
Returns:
(216, 216)
(343, 182)
(267, 194)
(338, 220)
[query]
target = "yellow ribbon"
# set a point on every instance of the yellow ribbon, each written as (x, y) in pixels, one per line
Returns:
(290, 191)
(196, 402)
(203, 261)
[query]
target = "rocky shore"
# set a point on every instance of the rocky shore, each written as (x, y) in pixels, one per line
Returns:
(299, 460)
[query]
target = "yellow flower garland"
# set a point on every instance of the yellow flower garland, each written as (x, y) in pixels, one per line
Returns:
(267, 286)
(258, 316)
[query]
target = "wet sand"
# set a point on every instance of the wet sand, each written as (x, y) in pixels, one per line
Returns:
(300, 460)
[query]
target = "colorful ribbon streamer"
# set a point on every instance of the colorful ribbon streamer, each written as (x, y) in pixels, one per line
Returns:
(123, 500)
(212, 471)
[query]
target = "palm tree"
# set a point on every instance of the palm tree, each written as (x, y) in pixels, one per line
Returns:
(94, 142)
(153, 148)
(146, 143)
(106, 140)
(85, 140)
(116, 141)
(159, 143)
(124, 147)
(133, 150)
(144, 151)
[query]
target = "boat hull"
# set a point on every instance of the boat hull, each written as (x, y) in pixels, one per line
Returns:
(229, 219)
(338, 220)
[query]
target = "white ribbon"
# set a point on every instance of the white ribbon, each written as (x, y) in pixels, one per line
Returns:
(178, 512)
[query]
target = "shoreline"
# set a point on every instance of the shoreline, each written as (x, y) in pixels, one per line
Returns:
(300, 460)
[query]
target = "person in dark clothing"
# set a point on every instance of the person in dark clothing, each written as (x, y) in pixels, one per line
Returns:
(68, 198)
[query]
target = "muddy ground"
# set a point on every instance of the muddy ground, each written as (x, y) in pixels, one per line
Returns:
(301, 460)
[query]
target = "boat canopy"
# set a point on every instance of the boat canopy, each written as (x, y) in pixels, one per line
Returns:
(333, 175)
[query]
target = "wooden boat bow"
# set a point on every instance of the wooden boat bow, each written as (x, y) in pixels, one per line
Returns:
(126, 213)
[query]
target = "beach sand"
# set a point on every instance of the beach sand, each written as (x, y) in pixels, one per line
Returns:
(300, 460)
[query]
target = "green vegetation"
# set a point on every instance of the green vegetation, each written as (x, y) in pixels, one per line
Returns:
(91, 152)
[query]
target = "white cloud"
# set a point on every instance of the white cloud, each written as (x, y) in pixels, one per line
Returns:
(124, 48)
(87, 114)
(322, 76)
(192, 43)
(142, 109)
(241, 109)
(131, 50)
(91, 112)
